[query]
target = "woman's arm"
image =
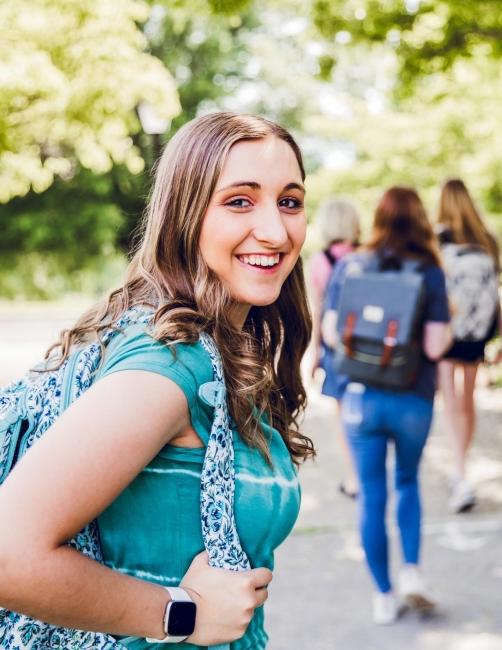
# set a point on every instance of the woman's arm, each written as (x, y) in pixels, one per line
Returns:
(437, 334)
(92, 452)
(328, 328)
(437, 338)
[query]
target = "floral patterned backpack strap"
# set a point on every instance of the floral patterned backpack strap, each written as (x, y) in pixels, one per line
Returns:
(219, 530)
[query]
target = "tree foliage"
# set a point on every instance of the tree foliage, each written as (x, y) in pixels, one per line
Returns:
(70, 132)
(427, 35)
(424, 104)
(71, 75)
(51, 241)
(450, 131)
(204, 50)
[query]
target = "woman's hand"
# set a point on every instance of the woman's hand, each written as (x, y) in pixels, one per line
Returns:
(225, 600)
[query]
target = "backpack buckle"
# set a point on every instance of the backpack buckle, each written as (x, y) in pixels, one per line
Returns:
(212, 392)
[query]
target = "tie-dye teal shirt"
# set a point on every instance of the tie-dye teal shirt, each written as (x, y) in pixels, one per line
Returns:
(153, 530)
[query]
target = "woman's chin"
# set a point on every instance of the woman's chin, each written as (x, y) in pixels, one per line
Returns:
(263, 301)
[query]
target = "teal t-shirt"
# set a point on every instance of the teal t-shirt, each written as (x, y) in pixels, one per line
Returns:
(152, 530)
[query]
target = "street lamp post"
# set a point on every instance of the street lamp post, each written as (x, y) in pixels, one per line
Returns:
(153, 125)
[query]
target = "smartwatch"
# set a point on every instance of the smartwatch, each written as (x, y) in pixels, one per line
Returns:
(179, 617)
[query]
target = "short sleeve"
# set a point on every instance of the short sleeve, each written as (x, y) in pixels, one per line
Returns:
(135, 349)
(436, 309)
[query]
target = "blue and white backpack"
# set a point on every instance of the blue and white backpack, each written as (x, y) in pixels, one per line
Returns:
(30, 406)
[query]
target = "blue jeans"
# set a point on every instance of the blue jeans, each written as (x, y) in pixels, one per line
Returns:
(372, 417)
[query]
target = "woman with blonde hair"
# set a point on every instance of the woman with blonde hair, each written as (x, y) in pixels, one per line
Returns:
(472, 262)
(338, 223)
(182, 451)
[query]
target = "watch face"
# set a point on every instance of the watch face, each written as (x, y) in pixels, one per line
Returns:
(181, 619)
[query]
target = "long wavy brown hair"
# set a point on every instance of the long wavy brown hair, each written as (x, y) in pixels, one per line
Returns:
(401, 227)
(167, 272)
(459, 215)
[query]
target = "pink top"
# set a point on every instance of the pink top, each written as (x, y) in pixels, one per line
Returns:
(320, 268)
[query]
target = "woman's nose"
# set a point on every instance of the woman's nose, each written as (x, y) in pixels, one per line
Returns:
(270, 227)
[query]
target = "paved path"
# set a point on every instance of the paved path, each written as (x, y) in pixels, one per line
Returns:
(26, 333)
(320, 597)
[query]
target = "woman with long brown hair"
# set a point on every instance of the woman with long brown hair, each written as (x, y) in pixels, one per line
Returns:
(201, 347)
(472, 262)
(374, 415)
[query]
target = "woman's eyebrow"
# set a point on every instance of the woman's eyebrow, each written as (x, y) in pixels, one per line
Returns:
(256, 186)
(252, 184)
(294, 186)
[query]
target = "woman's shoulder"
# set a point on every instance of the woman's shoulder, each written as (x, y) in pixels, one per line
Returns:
(140, 336)
(134, 347)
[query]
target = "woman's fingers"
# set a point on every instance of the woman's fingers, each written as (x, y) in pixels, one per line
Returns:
(260, 577)
(261, 596)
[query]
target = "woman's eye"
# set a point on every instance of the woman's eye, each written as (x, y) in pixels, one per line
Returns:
(290, 204)
(239, 202)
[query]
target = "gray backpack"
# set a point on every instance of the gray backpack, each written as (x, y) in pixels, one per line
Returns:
(380, 313)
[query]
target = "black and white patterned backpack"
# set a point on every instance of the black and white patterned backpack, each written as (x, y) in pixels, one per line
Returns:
(472, 283)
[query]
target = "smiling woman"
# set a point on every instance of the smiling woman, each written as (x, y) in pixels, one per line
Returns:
(165, 486)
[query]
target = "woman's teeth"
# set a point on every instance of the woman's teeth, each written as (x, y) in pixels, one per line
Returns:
(260, 260)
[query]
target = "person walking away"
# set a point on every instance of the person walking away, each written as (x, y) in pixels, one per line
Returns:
(389, 311)
(471, 259)
(149, 510)
(338, 224)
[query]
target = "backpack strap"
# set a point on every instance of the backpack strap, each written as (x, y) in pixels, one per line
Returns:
(330, 257)
(412, 266)
(389, 262)
(348, 333)
(219, 530)
(389, 343)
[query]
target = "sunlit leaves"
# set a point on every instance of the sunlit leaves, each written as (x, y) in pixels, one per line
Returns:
(427, 35)
(71, 75)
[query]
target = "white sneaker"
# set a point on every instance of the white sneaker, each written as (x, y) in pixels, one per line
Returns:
(412, 588)
(385, 608)
(462, 497)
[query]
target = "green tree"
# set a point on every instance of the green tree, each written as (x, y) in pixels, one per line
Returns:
(449, 131)
(204, 47)
(71, 76)
(61, 239)
(428, 36)
(423, 81)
